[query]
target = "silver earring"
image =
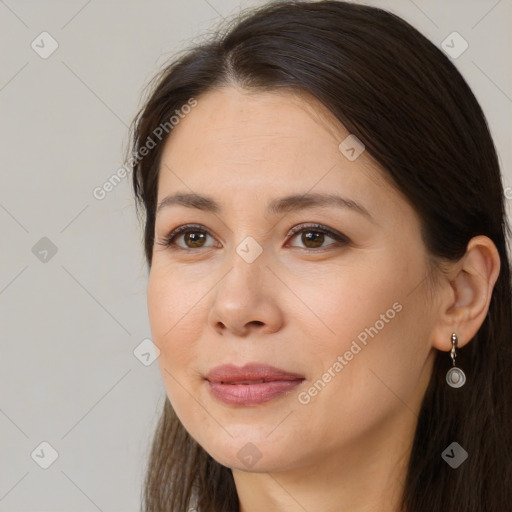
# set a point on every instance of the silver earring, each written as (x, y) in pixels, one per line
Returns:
(455, 376)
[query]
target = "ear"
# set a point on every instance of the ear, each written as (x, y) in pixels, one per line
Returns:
(466, 292)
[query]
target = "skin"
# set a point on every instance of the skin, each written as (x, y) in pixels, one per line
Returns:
(298, 307)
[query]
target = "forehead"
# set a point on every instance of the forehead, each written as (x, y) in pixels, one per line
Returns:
(249, 123)
(242, 143)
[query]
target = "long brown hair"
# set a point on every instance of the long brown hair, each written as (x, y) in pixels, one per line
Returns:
(406, 101)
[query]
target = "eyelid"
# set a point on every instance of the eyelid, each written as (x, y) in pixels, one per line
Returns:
(168, 240)
(339, 239)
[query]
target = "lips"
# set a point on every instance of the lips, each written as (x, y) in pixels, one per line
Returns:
(251, 384)
(250, 373)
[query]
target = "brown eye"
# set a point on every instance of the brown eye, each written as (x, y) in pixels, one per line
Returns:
(314, 237)
(192, 237)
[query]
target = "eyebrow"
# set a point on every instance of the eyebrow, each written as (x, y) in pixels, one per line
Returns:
(275, 206)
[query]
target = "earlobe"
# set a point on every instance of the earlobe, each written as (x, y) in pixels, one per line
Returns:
(472, 282)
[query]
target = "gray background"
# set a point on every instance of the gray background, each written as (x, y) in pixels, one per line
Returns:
(71, 321)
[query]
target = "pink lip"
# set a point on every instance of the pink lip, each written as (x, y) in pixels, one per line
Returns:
(236, 385)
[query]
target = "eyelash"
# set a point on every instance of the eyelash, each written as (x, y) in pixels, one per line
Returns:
(340, 239)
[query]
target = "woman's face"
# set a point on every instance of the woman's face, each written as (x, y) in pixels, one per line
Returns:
(339, 312)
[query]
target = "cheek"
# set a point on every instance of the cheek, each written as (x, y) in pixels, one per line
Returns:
(341, 302)
(172, 310)
(171, 300)
(167, 310)
(372, 320)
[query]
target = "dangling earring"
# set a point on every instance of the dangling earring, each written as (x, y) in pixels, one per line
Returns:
(455, 376)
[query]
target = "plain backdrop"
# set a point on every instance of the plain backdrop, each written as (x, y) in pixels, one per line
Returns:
(73, 277)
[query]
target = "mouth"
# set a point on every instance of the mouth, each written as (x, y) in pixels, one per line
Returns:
(251, 384)
(245, 382)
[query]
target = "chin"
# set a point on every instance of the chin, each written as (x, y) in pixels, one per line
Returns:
(255, 456)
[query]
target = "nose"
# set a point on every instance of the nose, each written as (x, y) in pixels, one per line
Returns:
(246, 300)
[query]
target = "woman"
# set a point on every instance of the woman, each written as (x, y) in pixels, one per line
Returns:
(329, 284)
